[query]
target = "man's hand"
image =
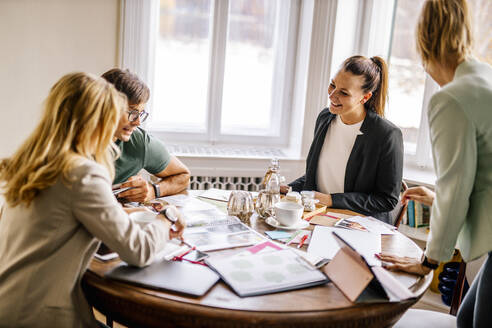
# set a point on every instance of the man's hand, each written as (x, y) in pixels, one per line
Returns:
(419, 194)
(142, 191)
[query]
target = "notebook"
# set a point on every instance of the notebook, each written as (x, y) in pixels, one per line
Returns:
(182, 277)
(267, 273)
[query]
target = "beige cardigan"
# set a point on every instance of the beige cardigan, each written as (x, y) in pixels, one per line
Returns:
(46, 248)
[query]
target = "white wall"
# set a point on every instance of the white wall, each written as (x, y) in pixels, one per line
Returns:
(41, 40)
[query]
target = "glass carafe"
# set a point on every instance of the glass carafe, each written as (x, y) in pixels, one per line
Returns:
(269, 195)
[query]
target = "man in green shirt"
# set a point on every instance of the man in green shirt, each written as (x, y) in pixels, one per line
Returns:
(139, 149)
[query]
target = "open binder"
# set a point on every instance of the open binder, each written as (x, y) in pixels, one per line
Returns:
(359, 281)
(266, 273)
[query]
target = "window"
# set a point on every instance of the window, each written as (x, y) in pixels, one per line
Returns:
(223, 70)
(409, 84)
(410, 88)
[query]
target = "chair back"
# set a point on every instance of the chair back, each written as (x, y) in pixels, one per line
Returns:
(459, 290)
(399, 211)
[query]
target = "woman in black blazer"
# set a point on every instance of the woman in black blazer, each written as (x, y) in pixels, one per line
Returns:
(356, 159)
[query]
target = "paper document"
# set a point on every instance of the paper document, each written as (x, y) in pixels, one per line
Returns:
(395, 290)
(173, 248)
(323, 243)
(350, 224)
(324, 220)
(264, 247)
(366, 244)
(374, 225)
(187, 203)
(278, 234)
(338, 215)
(220, 234)
(216, 194)
(203, 218)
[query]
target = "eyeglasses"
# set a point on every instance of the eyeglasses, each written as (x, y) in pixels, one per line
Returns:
(134, 114)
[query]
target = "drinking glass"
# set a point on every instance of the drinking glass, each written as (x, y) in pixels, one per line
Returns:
(241, 204)
(265, 202)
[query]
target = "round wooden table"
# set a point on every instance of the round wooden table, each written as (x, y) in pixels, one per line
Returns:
(322, 306)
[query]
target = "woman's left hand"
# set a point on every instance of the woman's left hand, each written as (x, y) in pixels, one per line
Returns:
(406, 264)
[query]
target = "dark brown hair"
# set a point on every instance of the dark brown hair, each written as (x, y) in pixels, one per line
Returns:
(130, 84)
(375, 73)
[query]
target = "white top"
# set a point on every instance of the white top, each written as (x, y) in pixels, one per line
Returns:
(334, 155)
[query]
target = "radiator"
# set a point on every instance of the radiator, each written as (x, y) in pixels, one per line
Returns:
(226, 183)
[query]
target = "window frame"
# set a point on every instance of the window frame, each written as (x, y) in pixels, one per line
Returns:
(138, 42)
(378, 18)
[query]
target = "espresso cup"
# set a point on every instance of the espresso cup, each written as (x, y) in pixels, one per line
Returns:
(288, 213)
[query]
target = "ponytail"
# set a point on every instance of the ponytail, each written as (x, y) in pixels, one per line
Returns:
(380, 94)
(375, 73)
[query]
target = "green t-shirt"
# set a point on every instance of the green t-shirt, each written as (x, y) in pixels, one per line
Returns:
(142, 151)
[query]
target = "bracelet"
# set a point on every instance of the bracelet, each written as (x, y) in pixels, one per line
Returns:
(157, 190)
(429, 265)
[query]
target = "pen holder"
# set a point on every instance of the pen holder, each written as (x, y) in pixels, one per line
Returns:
(241, 204)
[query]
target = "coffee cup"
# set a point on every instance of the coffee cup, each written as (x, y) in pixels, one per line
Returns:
(288, 213)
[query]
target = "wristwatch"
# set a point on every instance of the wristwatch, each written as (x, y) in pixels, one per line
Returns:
(157, 190)
(170, 214)
(429, 265)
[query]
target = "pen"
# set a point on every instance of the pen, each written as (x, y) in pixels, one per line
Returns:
(303, 239)
(187, 244)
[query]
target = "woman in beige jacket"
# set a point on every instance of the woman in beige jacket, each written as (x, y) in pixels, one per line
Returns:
(59, 205)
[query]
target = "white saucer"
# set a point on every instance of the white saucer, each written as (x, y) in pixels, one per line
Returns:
(298, 226)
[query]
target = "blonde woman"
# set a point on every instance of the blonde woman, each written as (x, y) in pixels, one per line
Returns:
(460, 121)
(59, 204)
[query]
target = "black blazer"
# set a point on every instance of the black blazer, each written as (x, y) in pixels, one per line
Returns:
(374, 168)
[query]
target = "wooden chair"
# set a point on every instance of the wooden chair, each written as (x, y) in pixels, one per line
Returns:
(399, 211)
(425, 318)
(458, 290)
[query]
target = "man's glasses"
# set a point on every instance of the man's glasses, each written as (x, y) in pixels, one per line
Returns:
(134, 114)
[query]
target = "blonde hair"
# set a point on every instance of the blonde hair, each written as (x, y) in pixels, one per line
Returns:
(444, 31)
(80, 116)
